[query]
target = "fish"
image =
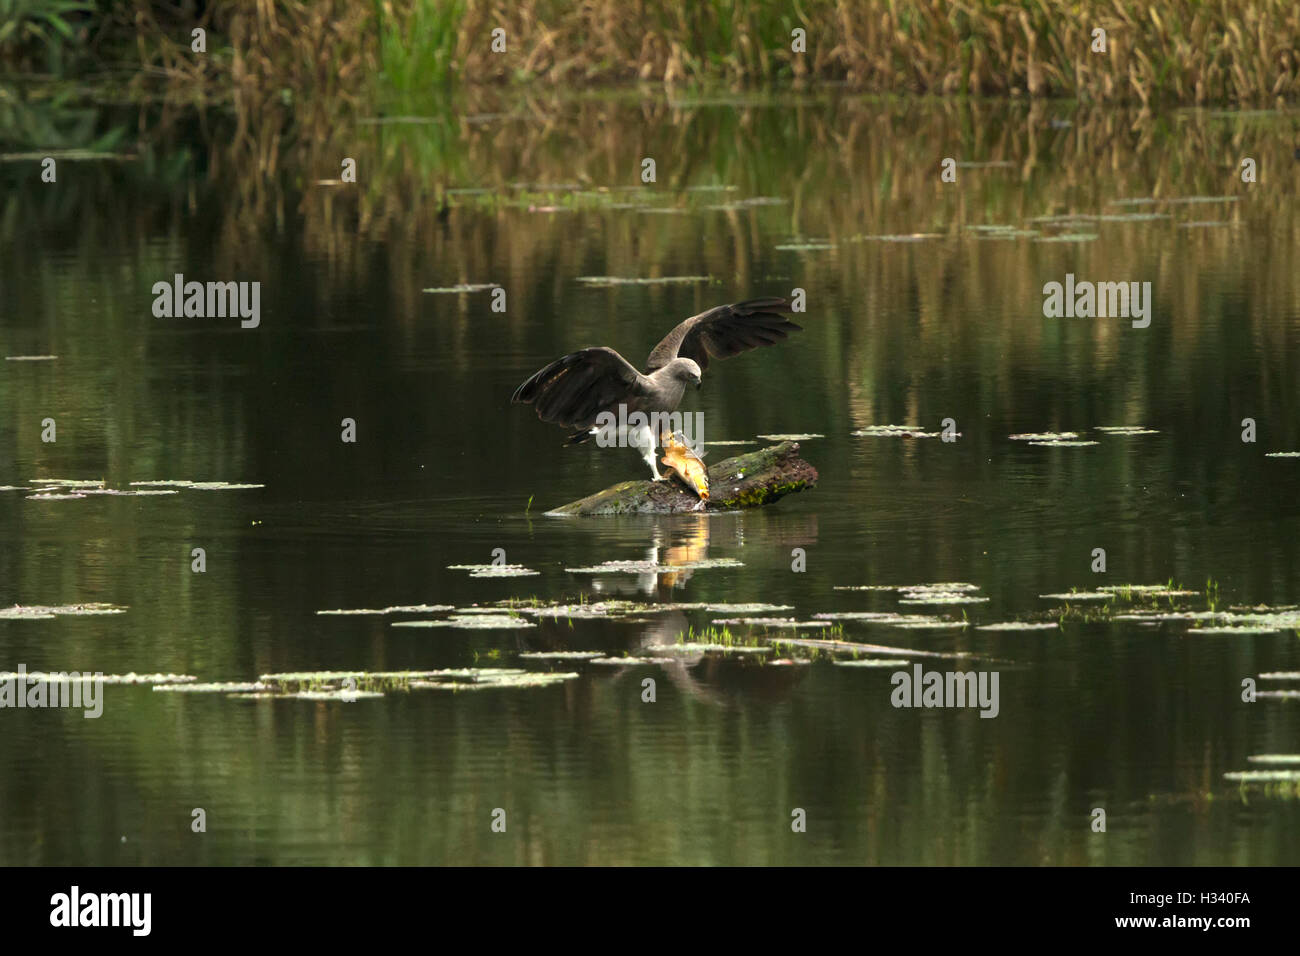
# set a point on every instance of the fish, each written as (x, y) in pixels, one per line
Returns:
(687, 465)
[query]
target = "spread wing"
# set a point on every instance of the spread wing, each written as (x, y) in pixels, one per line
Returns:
(725, 331)
(575, 389)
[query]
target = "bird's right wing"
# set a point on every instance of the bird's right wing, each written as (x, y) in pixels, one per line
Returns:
(725, 331)
(575, 389)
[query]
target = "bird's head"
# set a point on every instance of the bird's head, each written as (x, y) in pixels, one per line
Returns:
(687, 371)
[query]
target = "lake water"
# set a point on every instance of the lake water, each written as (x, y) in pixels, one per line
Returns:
(1139, 718)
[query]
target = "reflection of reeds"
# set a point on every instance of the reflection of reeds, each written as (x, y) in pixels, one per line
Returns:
(1187, 50)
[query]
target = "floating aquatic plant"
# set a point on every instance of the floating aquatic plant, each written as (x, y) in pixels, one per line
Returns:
(797, 436)
(773, 622)
(464, 287)
(908, 237)
(1021, 626)
(395, 609)
(473, 622)
(873, 662)
(40, 612)
(938, 598)
(626, 280)
(503, 682)
(894, 431)
(650, 567)
(216, 687)
(494, 570)
(748, 203)
(630, 661)
(87, 678)
(691, 647)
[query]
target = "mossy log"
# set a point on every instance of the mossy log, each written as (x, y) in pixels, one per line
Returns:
(746, 481)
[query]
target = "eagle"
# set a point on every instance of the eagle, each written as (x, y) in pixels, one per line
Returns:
(582, 388)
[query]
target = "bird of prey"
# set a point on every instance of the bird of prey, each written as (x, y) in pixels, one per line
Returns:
(596, 383)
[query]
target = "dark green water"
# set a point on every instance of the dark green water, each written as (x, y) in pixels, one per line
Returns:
(1140, 720)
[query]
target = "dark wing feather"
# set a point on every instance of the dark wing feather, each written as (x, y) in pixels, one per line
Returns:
(575, 389)
(725, 331)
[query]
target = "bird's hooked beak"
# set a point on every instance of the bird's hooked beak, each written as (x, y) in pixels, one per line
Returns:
(698, 383)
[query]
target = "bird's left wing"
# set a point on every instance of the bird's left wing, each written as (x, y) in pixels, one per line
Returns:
(575, 389)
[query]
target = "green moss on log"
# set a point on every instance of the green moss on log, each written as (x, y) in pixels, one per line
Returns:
(746, 481)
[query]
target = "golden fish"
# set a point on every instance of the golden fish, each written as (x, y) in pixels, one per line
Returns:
(688, 466)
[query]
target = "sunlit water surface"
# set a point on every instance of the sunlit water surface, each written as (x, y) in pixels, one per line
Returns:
(1141, 720)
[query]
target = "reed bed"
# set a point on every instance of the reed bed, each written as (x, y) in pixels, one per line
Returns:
(1185, 51)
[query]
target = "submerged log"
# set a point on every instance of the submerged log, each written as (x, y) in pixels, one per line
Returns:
(746, 481)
